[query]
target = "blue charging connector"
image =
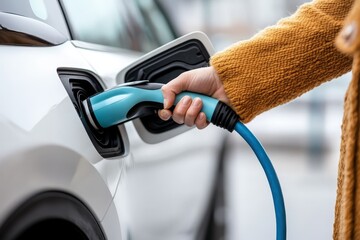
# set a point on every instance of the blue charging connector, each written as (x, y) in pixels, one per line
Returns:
(141, 98)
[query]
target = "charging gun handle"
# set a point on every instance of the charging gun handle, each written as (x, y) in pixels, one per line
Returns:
(216, 111)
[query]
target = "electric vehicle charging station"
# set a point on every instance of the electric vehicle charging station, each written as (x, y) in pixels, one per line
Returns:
(97, 153)
(50, 152)
(160, 66)
(140, 98)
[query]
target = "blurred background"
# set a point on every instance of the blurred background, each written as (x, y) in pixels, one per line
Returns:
(302, 137)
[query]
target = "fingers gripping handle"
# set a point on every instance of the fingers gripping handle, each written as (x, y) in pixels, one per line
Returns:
(121, 104)
(125, 103)
(217, 112)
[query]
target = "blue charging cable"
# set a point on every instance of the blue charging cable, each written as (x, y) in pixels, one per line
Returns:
(138, 99)
(272, 178)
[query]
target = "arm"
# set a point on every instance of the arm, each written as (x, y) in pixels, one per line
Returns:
(284, 61)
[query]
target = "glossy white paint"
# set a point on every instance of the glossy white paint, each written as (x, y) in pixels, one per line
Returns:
(167, 183)
(44, 146)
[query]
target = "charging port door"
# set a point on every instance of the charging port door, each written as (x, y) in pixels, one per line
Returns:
(161, 66)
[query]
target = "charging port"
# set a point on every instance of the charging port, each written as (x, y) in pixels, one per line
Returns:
(165, 66)
(81, 85)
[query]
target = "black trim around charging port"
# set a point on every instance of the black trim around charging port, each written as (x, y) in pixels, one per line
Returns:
(164, 67)
(80, 85)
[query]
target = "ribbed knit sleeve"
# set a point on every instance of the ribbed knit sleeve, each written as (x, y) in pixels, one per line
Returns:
(286, 60)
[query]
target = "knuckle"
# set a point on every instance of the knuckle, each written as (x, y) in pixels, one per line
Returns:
(179, 111)
(190, 122)
(178, 118)
(191, 114)
(191, 117)
(184, 75)
(201, 121)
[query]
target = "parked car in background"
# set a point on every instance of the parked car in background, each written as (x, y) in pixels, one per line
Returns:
(146, 179)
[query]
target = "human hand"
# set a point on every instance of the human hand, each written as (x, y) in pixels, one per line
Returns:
(202, 80)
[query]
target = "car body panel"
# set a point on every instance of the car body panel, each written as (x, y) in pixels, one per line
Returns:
(155, 185)
(44, 144)
(168, 189)
(44, 147)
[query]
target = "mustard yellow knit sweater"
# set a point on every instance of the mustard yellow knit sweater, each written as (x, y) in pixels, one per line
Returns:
(286, 60)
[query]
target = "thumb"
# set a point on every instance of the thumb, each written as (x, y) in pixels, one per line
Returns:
(169, 96)
(171, 89)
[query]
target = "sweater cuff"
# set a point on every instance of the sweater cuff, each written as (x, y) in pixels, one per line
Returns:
(225, 67)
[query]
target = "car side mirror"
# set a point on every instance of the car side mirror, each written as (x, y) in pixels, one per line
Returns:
(19, 30)
(161, 66)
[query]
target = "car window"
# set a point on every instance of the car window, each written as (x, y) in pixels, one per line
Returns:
(136, 25)
(48, 11)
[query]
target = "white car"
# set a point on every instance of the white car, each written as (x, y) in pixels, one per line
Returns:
(62, 179)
